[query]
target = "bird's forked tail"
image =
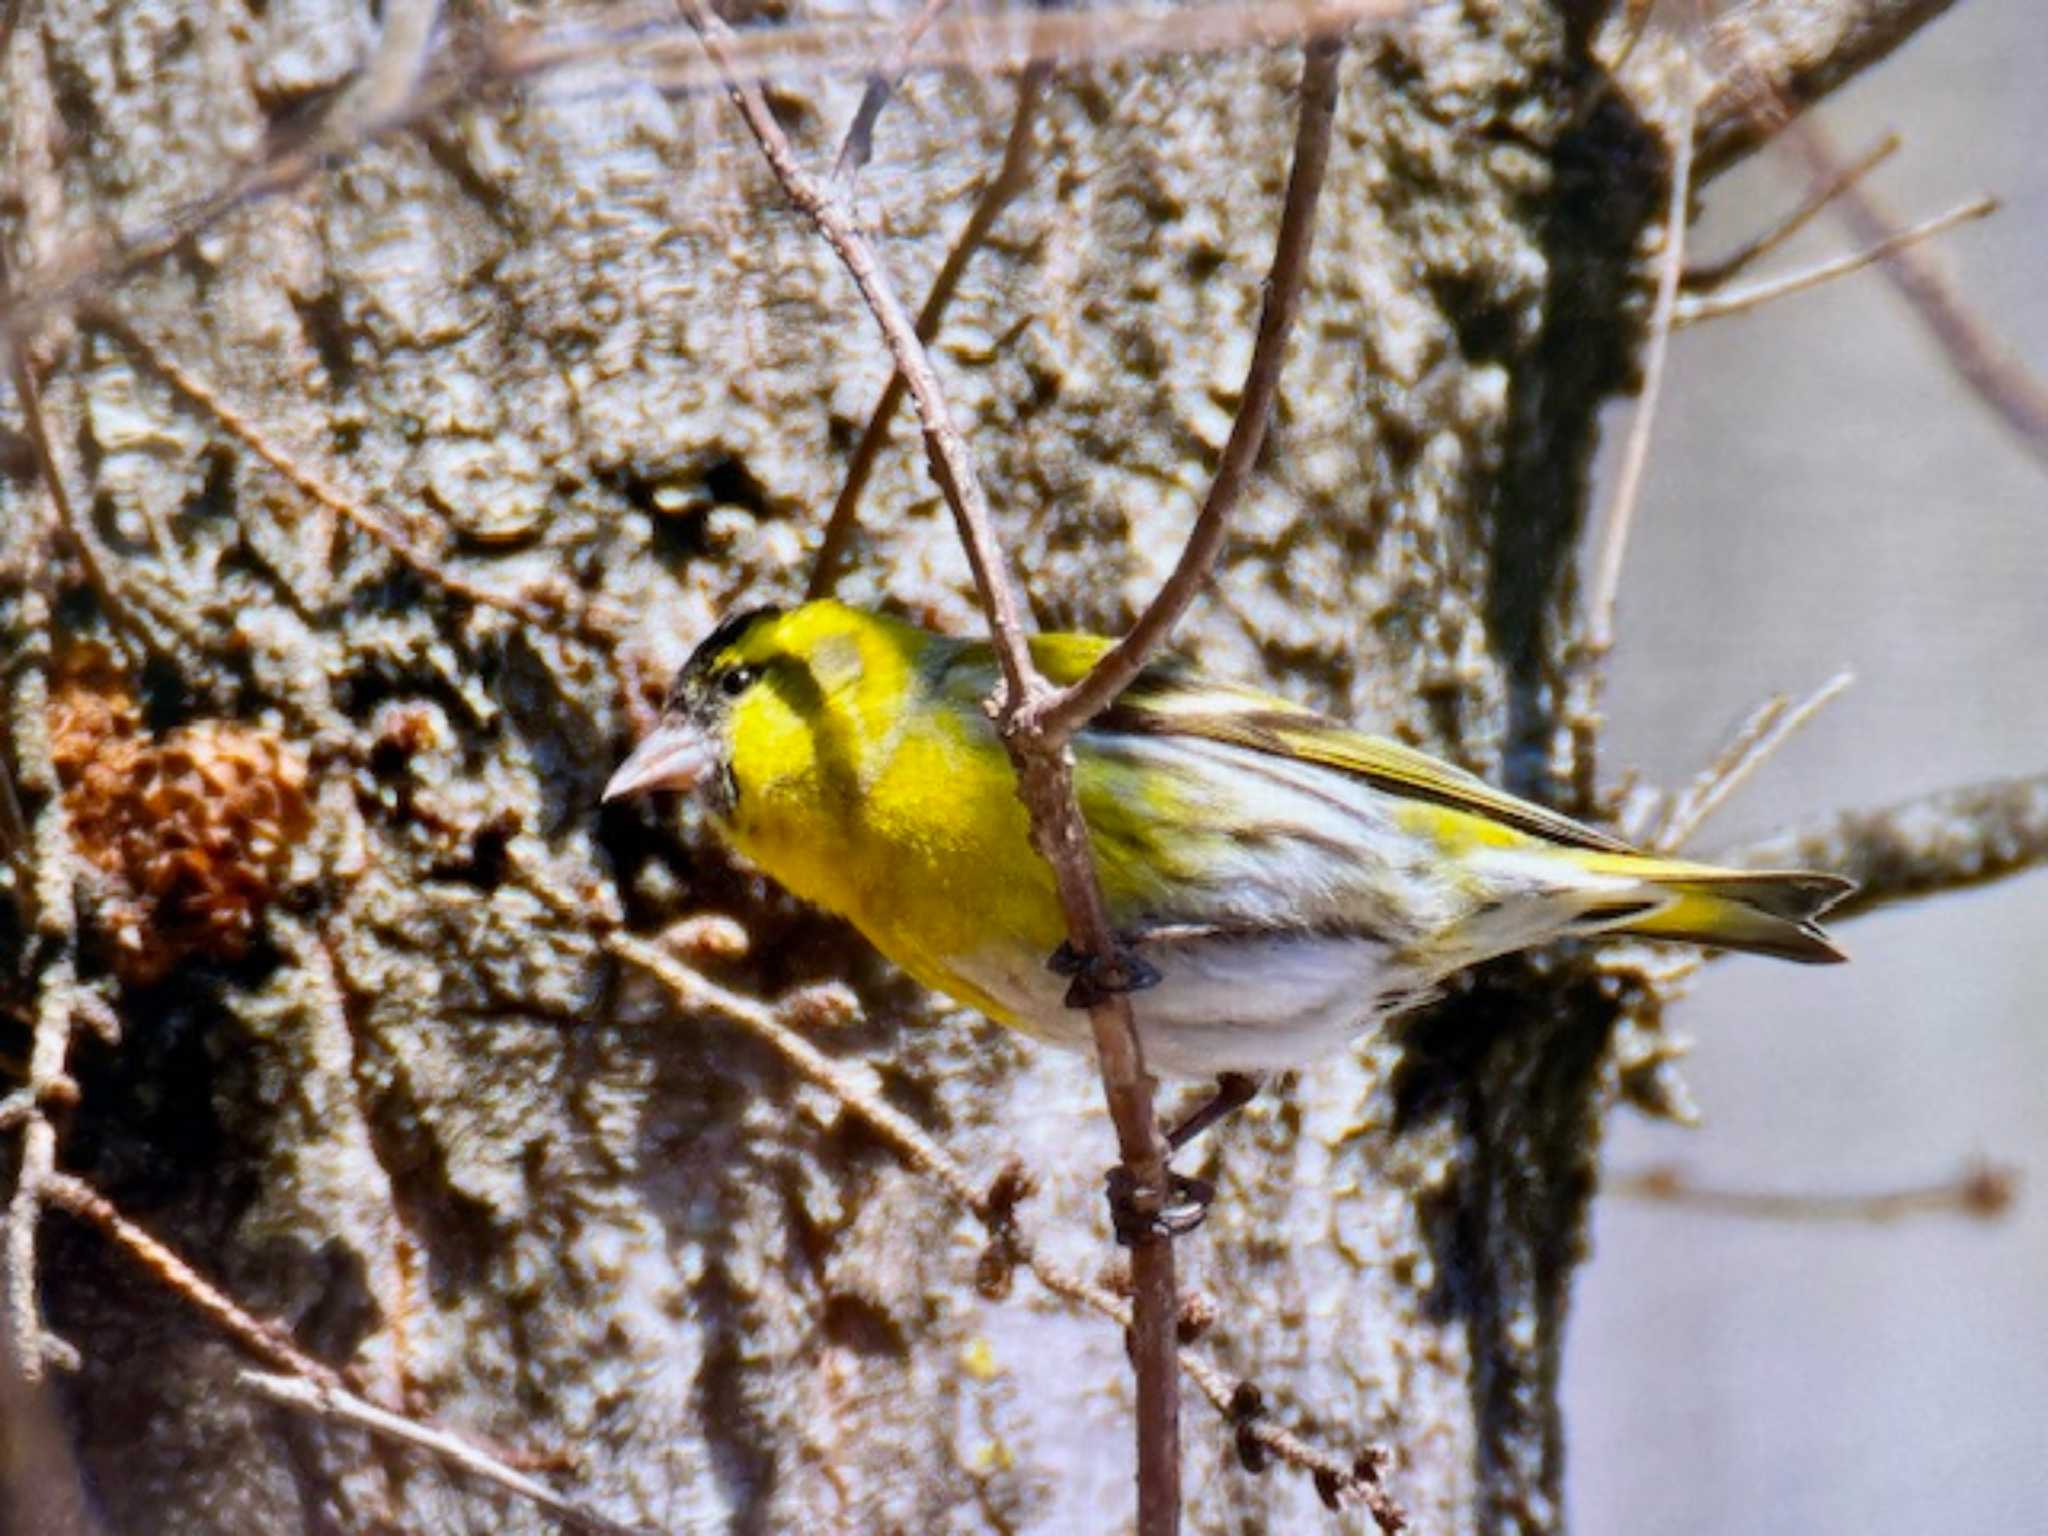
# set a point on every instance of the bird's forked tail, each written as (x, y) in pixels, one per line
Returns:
(1766, 912)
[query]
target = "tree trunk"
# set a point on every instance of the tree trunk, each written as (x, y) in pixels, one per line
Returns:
(573, 345)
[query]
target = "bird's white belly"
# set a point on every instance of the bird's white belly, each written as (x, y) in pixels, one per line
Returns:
(1239, 1003)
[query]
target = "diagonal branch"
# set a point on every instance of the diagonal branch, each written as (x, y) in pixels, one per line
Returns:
(852, 1087)
(1938, 842)
(1045, 781)
(336, 1404)
(310, 1385)
(1791, 53)
(1069, 710)
(1611, 541)
(592, 623)
(1702, 277)
(1009, 180)
(1983, 359)
(860, 134)
(1756, 84)
(266, 1341)
(1694, 308)
(1760, 737)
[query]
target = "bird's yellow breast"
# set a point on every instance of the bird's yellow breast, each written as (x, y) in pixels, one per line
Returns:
(904, 820)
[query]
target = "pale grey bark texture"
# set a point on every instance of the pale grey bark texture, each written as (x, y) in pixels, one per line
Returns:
(573, 339)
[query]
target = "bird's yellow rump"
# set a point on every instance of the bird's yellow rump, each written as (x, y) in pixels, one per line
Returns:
(1291, 881)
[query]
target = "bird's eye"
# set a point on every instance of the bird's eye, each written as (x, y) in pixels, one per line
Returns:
(737, 681)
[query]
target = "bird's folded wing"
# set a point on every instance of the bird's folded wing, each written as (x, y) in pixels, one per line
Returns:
(1171, 698)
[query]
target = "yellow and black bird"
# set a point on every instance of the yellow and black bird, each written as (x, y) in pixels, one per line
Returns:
(1283, 881)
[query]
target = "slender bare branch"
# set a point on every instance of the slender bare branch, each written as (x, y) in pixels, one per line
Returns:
(1938, 842)
(1045, 781)
(513, 55)
(1750, 61)
(68, 526)
(1759, 739)
(951, 463)
(1985, 1191)
(1769, 59)
(335, 1404)
(1703, 277)
(1074, 707)
(1010, 179)
(1712, 306)
(1991, 369)
(590, 622)
(854, 1088)
(859, 142)
(1611, 540)
(312, 1385)
(267, 1341)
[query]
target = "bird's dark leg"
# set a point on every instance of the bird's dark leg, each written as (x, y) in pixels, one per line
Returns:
(1234, 1090)
(1097, 978)
(1187, 1198)
(1187, 1203)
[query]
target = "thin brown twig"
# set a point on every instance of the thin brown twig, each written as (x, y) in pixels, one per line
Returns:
(511, 56)
(1045, 781)
(1011, 177)
(1938, 842)
(853, 1087)
(311, 1384)
(66, 524)
(951, 464)
(1759, 739)
(335, 1404)
(590, 622)
(859, 144)
(1755, 82)
(1611, 539)
(1707, 276)
(1066, 712)
(267, 1341)
(1712, 306)
(1983, 1190)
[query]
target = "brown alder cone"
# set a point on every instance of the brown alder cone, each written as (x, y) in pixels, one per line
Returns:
(195, 831)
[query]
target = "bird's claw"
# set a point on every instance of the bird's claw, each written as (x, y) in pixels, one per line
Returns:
(1187, 1204)
(1097, 978)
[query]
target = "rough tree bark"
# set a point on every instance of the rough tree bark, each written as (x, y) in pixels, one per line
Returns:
(573, 344)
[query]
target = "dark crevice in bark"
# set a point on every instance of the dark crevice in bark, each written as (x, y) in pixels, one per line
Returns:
(1607, 173)
(1512, 1060)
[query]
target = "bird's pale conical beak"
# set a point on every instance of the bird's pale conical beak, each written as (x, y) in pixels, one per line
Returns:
(675, 756)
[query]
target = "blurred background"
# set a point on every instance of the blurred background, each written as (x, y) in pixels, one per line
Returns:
(1824, 494)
